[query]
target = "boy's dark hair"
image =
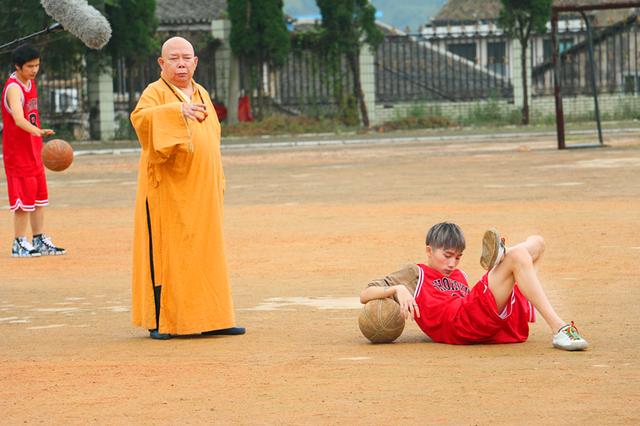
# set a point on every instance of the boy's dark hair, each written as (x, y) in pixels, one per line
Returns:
(23, 54)
(446, 236)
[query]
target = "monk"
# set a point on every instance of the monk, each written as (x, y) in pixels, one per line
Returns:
(180, 280)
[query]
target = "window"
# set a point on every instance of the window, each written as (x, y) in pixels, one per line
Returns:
(466, 50)
(496, 57)
(563, 44)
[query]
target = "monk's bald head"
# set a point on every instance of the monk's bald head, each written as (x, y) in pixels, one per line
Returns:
(178, 61)
(176, 43)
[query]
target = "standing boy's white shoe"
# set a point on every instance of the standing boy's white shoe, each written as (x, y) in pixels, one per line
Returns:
(43, 245)
(23, 248)
(569, 339)
(493, 249)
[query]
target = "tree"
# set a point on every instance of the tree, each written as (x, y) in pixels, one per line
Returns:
(130, 38)
(347, 25)
(259, 35)
(20, 19)
(519, 19)
(138, 41)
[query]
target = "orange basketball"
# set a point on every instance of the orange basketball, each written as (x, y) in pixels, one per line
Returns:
(381, 320)
(57, 155)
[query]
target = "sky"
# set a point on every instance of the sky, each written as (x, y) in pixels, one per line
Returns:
(398, 13)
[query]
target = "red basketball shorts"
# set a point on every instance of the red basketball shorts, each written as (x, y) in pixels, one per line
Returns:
(477, 319)
(27, 193)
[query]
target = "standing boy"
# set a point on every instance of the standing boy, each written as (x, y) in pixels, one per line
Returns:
(22, 155)
(496, 310)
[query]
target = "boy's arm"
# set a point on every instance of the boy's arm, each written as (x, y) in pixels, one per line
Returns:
(396, 285)
(15, 103)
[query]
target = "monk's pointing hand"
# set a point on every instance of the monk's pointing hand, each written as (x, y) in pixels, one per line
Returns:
(195, 111)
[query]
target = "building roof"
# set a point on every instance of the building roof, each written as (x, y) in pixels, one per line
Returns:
(487, 10)
(468, 10)
(172, 12)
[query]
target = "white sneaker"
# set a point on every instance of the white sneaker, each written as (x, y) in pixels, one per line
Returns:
(23, 248)
(43, 245)
(569, 339)
(493, 249)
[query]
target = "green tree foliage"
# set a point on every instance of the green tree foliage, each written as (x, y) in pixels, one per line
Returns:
(346, 26)
(134, 26)
(23, 18)
(258, 36)
(258, 31)
(132, 40)
(519, 19)
(132, 21)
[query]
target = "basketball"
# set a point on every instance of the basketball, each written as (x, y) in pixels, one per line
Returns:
(381, 321)
(57, 155)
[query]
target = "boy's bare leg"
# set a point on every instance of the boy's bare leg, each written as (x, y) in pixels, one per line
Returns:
(20, 222)
(519, 265)
(37, 221)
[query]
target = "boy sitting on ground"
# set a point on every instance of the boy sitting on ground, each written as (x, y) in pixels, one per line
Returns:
(498, 309)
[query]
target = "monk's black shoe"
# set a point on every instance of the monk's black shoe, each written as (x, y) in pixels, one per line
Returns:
(232, 331)
(159, 336)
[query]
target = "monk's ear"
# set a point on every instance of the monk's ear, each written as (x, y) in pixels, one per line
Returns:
(195, 60)
(161, 61)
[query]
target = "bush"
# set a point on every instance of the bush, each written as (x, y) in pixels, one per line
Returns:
(280, 124)
(420, 117)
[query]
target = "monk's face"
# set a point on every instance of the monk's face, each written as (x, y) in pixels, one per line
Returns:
(178, 61)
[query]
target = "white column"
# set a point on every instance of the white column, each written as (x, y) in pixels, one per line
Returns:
(516, 76)
(101, 107)
(368, 81)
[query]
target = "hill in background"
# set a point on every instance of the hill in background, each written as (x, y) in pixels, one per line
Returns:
(399, 13)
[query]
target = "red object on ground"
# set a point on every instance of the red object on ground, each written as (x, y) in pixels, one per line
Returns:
(221, 111)
(244, 109)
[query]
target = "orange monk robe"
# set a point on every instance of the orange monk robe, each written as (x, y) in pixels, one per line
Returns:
(181, 179)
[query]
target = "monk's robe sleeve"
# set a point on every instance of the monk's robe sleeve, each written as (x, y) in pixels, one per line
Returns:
(161, 127)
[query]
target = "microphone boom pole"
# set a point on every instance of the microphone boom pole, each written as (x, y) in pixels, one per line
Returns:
(51, 28)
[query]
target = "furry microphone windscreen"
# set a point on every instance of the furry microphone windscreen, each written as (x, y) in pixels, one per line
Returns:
(81, 20)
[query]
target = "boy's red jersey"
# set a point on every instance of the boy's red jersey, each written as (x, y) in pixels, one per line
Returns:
(22, 151)
(452, 313)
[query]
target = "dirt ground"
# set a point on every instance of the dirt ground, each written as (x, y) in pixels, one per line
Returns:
(306, 229)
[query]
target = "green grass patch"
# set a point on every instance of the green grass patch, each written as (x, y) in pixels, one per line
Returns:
(280, 125)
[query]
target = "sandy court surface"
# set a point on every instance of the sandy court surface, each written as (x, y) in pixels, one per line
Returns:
(306, 229)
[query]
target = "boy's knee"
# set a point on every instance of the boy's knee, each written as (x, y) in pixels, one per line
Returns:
(538, 240)
(519, 255)
(538, 244)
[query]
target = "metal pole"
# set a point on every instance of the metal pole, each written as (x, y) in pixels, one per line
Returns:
(593, 77)
(53, 27)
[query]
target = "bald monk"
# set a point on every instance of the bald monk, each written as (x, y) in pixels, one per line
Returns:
(180, 280)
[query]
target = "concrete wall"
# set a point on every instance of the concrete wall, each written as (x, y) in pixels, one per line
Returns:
(612, 105)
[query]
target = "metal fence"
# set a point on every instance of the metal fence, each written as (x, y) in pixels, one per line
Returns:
(62, 98)
(130, 80)
(616, 60)
(307, 84)
(411, 68)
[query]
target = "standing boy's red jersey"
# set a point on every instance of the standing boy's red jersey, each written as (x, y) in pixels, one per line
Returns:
(22, 151)
(452, 313)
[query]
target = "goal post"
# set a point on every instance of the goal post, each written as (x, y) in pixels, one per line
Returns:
(557, 89)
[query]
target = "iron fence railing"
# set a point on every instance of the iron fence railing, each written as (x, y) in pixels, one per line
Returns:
(412, 68)
(408, 68)
(616, 61)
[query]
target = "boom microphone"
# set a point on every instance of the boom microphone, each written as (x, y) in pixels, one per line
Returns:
(81, 20)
